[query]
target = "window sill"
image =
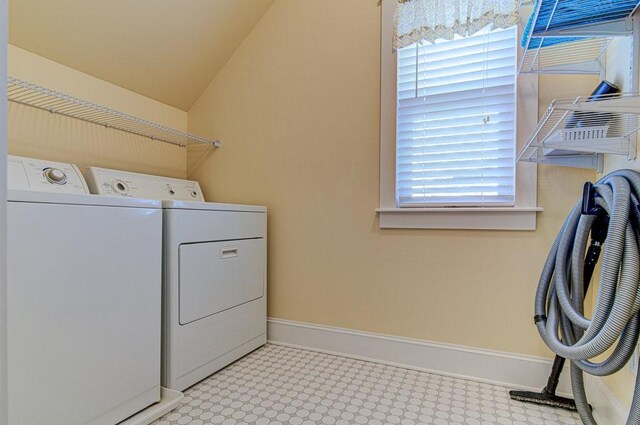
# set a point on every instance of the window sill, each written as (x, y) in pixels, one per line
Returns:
(491, 218)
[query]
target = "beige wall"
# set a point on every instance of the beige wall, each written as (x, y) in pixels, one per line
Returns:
(39, 134)
(298, 108)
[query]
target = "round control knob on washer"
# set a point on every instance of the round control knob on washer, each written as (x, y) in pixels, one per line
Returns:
(55, 176)
(120, 187)
(194, 194)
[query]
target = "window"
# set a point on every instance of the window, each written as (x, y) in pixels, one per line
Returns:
(448, 133)
(456, 120)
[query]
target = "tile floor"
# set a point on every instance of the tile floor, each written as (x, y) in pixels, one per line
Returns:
(282, 385)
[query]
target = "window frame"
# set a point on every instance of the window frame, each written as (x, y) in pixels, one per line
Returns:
(520, 216)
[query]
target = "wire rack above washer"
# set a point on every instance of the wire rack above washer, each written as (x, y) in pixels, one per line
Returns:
(33, 95)
(571, 36)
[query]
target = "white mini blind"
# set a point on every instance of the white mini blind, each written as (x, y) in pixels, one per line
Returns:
(456, 118)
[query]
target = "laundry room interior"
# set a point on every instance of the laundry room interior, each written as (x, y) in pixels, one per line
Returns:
(319, 212)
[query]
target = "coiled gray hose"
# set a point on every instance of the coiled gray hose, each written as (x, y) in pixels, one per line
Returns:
(559, 304)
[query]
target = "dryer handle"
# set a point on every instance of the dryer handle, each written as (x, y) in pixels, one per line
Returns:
(229, 252)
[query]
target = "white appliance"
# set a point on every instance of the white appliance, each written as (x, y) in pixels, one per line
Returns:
(84, 299)
(214, 279)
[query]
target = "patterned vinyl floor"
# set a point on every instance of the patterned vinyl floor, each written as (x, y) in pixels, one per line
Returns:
(281, 385)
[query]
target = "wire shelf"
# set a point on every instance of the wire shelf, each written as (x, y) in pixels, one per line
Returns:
(578, 130)
(571, 36)
(29, 94)
(579, 56)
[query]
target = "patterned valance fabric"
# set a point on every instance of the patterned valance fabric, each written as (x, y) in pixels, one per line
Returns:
(443, 19)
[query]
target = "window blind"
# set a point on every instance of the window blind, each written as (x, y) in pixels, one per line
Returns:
(456, 116)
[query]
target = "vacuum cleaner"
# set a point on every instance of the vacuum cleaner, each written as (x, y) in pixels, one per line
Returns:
(548, 394)
(609, 210)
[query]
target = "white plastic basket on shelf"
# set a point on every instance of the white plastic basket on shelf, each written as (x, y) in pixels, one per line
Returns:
(589, 133)
(574, 135)
(568, 135)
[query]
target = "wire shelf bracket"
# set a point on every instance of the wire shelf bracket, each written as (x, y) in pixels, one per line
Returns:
(579, 56)
(29, 94)
(593, 161)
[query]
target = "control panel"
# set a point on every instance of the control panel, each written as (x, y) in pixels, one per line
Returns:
(102, 181)
(44, 176)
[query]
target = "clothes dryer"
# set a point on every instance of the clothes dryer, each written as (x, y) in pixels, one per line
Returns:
(214, 274)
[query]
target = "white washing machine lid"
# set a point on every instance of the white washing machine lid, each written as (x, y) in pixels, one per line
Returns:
(76, 199)
(211, 206)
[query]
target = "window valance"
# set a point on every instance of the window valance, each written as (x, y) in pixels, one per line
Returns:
(429, 20)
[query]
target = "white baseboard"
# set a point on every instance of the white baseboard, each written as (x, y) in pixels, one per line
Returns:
(505, 369)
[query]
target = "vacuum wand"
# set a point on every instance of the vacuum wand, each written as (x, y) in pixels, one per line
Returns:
(598, 235)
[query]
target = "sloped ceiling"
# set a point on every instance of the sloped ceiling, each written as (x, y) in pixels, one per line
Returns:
(168, 50)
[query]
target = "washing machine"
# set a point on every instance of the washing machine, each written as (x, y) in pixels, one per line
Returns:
(214, 274)
(84, 299)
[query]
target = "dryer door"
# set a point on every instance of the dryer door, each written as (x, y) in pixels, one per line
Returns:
(217, 276)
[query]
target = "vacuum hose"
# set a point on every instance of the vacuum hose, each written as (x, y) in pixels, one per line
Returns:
(559, 304)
